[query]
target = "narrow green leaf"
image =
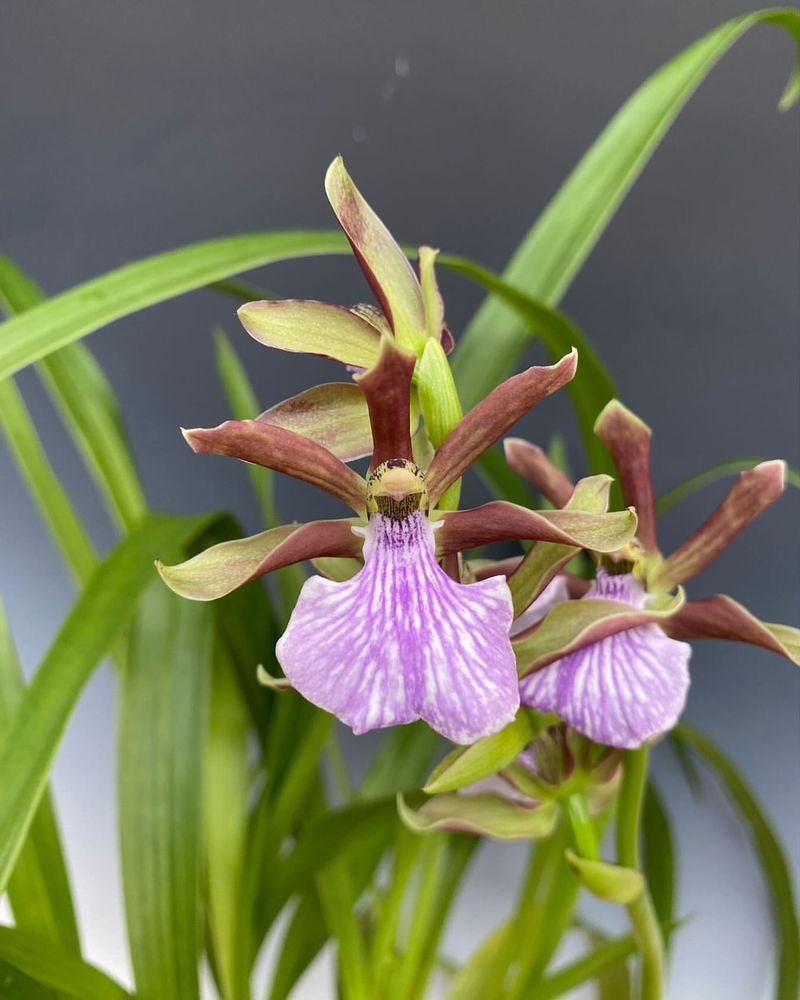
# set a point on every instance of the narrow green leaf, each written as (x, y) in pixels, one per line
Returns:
(401, 762)
(592, 966)
(38, 890)
(476, 978)
(305, 936)
(658, 857)
(770, 856)
(589, 390)
(711, 475)
(32, 738)
(162, 745)
(565, 233)
(15, 985)
(227, 786)
(50, 497)
(87, 405)
(88, 307)
(55, 967)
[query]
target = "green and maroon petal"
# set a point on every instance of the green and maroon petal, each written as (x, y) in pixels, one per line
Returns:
(753, 492)
(628, 439)
(304, 326)
(283, 451)
(720, 617)
(531, 463)
(333, 414)
(228, 565)
(383, 263)
(492, 417)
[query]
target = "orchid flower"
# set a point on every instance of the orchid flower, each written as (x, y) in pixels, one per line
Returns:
(612, 662)
(401, 639)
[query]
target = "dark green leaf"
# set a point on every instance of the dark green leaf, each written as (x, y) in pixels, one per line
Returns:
(658, 857)
(711, 475)
(401, 762)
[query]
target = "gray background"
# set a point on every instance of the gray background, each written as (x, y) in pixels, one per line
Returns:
(129, 128)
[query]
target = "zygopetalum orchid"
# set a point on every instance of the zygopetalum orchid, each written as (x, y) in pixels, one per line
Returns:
(609, 657)
(401, 639)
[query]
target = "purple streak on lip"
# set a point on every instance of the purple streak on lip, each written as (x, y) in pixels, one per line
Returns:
(401, 641)
(622, 690)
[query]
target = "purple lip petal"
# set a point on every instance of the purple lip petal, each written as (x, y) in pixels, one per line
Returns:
(381, 260)
(228, 565)
(721, 617)
(284, 451)
(754, 491)
(544, 560)
(531, 463)
(307, 327)
(500, 521)
(387, 389)
(401, 641)
(556, 591)
(622, 690)
(628, 439)
(333, 414)
(492, 417)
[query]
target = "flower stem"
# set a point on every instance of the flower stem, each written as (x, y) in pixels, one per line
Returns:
(582, 827)
(643, 919)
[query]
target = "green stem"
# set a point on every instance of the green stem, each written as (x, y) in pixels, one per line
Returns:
(582, 827)
(643, 919)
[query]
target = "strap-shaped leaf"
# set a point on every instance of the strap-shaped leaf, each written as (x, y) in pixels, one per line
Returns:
(162, 744)
(696, 482)
(568, 229)
(56, 967)
(88, 409)
(770, 856)
(39, 890)
(104, 607)
(85, 308)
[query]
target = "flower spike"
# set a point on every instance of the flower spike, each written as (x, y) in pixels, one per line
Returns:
(492, 417)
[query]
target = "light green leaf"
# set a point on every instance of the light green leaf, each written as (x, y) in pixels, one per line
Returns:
(589, 390)
(592, 966)
(401, 762)
(32, 738)
(570, 226)
(162, 745)
(770, 856)
(89, 411)
(38, 890)
(466, 765)
(88, 307)
(227, 787)
(711, 475)
(476, 978)
(15, 985)
(56, 967)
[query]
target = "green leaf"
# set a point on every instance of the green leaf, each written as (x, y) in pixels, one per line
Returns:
(305, 936)
(592, 966)
(570, 226)
(88, 409)
(38, 890)
(466, 765)
(162, 744)
(88, 307)
(770, 856)
(711, 475)
(476, 978)
(55, 967)
(589, 390)
(15, 985)
(658, 857)
(401, 762)
(225, 807)
(32, 738)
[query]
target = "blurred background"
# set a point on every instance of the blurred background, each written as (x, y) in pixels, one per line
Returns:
(132, 128)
